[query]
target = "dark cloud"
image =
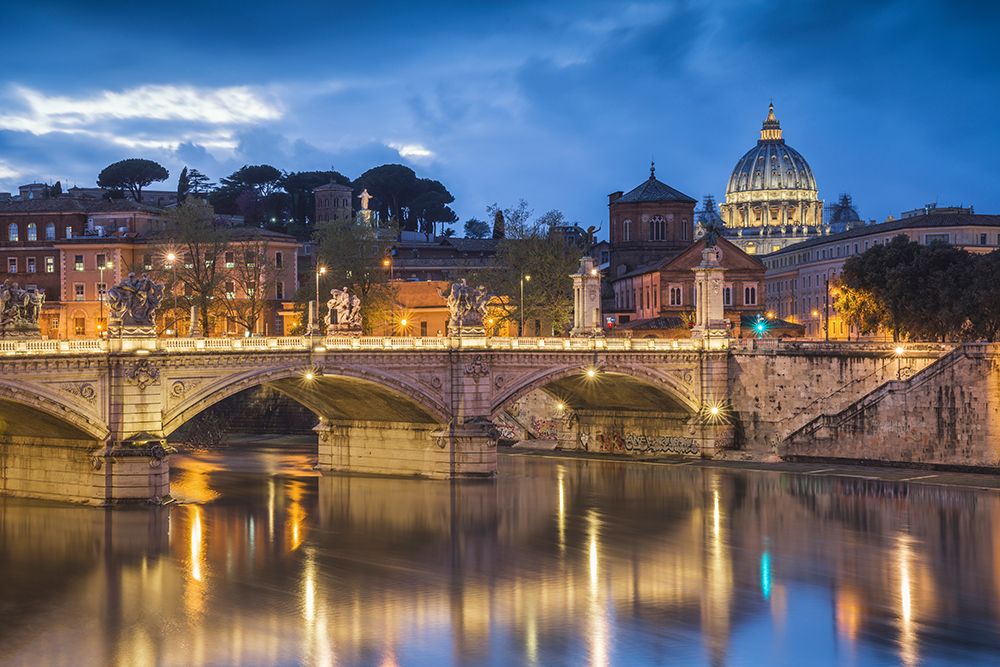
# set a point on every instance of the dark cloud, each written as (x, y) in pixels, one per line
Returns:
(559, 104)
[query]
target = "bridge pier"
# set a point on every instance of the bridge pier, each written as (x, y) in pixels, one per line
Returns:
(418, 449)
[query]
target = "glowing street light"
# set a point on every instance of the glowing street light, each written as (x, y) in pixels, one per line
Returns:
(171, 259)
(525, 278)
(591, 373)
(320, 271)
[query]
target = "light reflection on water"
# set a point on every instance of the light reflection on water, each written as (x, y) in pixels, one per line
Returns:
(555, 563)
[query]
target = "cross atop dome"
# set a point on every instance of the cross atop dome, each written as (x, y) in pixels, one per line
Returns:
(771, 130)
(652, 170)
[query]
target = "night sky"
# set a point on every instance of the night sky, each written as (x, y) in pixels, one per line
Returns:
(555, 102)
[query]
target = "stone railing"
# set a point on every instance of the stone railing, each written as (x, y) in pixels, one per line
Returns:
(283, 343)
(776, 345)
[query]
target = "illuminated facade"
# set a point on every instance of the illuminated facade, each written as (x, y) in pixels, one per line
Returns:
(772, 200)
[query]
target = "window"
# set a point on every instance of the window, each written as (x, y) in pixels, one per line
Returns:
(147, 262)
(727, 295)
(423, 329)
(657, 228)
(230, 289)
(750, 295)
(12, 231)
(32, 231)
(230, 260)
(50, 265)
(12, 265)
(676, 296)
(78, 263)
(50, 231)
(982, 239)
(30, 265)
(627, 230)
(278, 260)
(102, 261)
(69, 232)
(685, 229)
(101, 291)
(936, 238)
(78, 293)
(79, 326)
(250, 259)
(279, 290)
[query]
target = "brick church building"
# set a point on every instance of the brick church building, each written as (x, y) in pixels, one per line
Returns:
(650, 282)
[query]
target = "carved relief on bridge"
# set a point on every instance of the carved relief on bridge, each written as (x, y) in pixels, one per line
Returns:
(142, 373)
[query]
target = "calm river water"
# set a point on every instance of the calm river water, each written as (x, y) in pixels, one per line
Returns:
(557, 562)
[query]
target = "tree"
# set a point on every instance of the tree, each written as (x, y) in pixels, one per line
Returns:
(417, 203)
(859, 308)
(249, 280)
(192, 234)
(132, 175)
(183, 185)
(353, 256)
(199, 183)
(548, 259)
(253, 191)
(514, 222)
(55, 190)
(476, 229)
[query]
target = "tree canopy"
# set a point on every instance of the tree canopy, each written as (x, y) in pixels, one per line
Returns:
(476, 229)
(923, 292)
(132, 175)
(398, 194)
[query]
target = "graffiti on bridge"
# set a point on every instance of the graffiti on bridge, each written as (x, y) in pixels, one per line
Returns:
(639, 443)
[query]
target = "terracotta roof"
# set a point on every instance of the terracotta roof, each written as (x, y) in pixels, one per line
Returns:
(653, 189)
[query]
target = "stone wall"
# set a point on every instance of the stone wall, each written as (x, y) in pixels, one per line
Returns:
(947, 414)
(773, 393)
(404, 448)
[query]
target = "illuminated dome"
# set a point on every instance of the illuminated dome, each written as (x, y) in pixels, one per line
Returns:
(772, 185)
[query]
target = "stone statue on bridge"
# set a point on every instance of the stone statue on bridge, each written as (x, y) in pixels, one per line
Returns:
(133, 304)
(343, 313)
(467, 309)
(19, 311)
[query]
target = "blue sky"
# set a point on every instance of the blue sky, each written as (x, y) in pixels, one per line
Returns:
(558, 103)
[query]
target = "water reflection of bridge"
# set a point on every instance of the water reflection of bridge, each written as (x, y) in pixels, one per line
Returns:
(555, 562)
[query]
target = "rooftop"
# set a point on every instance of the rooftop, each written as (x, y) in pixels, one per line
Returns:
(932, 220)
(653, 190)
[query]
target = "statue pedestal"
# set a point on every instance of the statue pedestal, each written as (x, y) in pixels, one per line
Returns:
(119, 330)
(21, 331)
(346, 330)
(466, 331)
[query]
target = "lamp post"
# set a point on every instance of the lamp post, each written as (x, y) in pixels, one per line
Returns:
(171, 259)
(321, 270)
(387, 263)
(826, 309)
(104, 290)
(520, 306)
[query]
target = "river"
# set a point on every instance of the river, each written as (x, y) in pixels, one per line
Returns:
(556, 562)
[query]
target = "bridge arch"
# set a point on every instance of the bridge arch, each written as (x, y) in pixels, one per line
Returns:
(333, 392)
(30, 410)
(619, 386)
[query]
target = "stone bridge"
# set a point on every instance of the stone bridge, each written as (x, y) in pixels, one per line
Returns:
(87, 420)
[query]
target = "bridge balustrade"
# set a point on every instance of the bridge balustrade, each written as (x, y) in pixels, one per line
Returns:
(178, 345)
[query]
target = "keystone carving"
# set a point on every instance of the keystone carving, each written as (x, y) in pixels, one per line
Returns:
(478, 368)
(142, 373)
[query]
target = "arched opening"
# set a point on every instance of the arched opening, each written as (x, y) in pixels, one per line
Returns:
(328, 421)
(624, 410)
